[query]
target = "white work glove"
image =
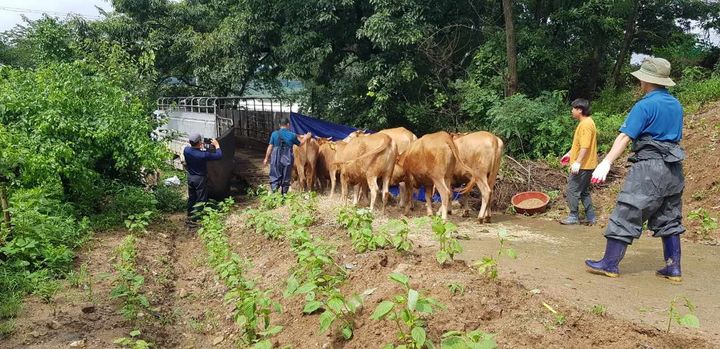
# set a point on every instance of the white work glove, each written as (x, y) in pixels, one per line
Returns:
(575, 168)
(600, 172)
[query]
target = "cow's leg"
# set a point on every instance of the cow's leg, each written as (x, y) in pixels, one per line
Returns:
(373, 186)
(310, 177)
(465, 203)
(485, 192)
(401, 185)
(409, 187)
(333, 178)
(343, 189)
(444, 191)
(428, 202)
(385, 191)
(356, 194)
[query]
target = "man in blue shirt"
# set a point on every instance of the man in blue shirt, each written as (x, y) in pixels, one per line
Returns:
(280, 153)
(196, 158)
(653, 189)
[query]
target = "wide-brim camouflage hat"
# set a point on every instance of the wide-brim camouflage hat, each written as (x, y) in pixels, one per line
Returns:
(655, 71)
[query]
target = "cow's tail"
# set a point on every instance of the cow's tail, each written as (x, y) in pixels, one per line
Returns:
(495, 169)
(453, 148)
(373, 152)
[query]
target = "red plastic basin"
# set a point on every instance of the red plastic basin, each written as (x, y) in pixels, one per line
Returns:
(520, 197)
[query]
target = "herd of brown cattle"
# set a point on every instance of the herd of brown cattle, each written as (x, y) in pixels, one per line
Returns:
(397, 157)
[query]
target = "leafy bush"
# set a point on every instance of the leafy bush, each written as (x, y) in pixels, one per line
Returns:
(44, 232)
(169, 199)
(533, 127)
(122, 201)
(608, 126)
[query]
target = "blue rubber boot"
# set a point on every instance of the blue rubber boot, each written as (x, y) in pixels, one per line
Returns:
(570, 220)
(608, 265)
(671, 251)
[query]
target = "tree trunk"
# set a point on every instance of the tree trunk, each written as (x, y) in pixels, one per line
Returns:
(512, 78)
(6, 212)
(630, 27)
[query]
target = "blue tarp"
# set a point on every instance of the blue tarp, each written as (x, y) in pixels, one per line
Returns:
(302, 124)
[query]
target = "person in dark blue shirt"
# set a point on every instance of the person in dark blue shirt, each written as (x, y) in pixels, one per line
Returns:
(280, 153)
(653, 189)
(196, 158)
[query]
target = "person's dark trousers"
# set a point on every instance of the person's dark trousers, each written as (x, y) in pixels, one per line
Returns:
(652, 192)
(578, 189)
(280, 176)
(197, 192)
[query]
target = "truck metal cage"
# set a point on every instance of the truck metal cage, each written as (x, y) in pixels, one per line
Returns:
(250, 117)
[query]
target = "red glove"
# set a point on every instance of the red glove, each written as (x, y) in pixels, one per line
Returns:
(565, 160)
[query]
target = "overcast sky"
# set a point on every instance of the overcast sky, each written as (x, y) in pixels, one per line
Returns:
(12, 10)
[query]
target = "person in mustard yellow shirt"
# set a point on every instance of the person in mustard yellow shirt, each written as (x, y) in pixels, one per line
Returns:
(583, 159)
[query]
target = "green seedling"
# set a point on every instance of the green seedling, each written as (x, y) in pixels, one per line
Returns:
(397, 231)
(252, 306)
(489, 265)
(406, 310)
(138, 223)
(456, 288)
(127, 282)
(599, 310)
(708, 224)
(449, 246)
(133, 342)
(472, 340)
(560, 319)
(687, 320)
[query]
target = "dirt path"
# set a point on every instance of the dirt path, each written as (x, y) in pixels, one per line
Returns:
(551, 260)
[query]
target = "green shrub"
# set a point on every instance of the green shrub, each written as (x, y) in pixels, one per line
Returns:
(44, 232)
(693, 94)
(611, 101)
(121, 202)
(533, 128)
(608, 126)
(169, 199)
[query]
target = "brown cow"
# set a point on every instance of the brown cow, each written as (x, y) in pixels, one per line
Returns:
(326, 169)
(430, 161)
(401, 136)
(305, 162)
(364, 160)
(482, 152)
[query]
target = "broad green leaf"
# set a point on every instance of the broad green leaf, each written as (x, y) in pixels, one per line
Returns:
(453, 343)
(135, 333)
(412, 299)
(292, 286)
(400, 278)
(336, 304)
(266, 344)
(347, 332)
(271, 331)
(326, 319)
(418, 335)
(311, 307)
(382, 309)
(511, 253)
(306, 288)
(689, 320)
